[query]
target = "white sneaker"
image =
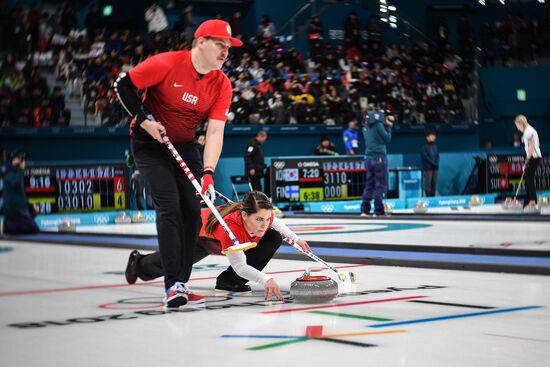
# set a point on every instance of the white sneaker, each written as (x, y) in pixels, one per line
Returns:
(176, 296)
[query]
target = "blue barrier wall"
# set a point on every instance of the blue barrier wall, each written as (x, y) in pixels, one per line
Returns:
(109, 143)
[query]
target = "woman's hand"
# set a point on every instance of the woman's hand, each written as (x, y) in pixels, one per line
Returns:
(271, 288)
(303, 244)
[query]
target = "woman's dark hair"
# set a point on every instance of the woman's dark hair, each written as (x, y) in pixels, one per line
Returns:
(252, 202)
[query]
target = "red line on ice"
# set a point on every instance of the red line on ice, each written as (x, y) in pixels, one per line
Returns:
(104, 286)
(345, 304)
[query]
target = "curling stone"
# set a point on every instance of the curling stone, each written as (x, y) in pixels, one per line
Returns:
(66, 226)
(388, 208)
(347, 276)
(421, 207)
(123, 218)
(139, 218)
(512, 205)
(532, 209)
(544, 202)
(476, 200)
(313, 289)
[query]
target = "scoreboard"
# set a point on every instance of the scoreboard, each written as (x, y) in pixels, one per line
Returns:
(72, 188)
(504, 172)
(317, 178)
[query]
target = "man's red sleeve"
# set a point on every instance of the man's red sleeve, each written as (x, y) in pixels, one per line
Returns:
(220, 108)
(151, 71)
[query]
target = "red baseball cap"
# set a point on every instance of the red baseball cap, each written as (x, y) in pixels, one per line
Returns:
(218, 29)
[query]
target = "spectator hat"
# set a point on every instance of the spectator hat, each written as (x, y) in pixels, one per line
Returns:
(218, 29)
(375, 116)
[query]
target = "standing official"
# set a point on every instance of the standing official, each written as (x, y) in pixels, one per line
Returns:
(430, 164)
(181, 89)
(254, 165)
(377, 133)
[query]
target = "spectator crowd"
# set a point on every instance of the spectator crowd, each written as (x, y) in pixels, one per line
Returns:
(273, 84)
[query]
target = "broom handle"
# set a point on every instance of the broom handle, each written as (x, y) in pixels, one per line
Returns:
(197, 186)
(520, 180)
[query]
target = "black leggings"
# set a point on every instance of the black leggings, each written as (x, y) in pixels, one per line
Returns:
(530, 191)
(177, 206)
(150, 266)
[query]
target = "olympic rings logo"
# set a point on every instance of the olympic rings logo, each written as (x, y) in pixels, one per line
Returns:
(327, 208)
(141, 303)
(279, 164)
(101, 219)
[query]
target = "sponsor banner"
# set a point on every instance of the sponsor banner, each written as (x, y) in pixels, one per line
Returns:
(352, 206)
(440, 201)
(48, 221)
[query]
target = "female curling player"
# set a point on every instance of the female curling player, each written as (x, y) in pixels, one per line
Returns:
(250, 220)
(530, 139)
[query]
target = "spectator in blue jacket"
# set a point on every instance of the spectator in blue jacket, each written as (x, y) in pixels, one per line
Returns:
(377, 134)
(430, 163)
(351, 138)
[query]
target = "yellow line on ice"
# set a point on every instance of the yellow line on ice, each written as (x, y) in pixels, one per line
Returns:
(362, 333)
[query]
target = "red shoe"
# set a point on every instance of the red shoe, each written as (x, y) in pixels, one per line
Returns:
(179, 295)
(193, 298)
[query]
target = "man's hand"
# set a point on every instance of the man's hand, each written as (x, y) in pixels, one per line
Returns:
(153, 128)
(208, 185)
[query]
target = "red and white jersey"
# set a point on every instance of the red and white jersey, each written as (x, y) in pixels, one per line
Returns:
(178, 97)
(235, 223)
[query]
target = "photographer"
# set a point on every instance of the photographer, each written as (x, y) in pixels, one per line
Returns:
(18, 214)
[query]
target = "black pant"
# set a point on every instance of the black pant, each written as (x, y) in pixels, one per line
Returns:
(20, 222)
(430, 182)
(256, 182)
(150, 266)
(177, 206)
(530, 191)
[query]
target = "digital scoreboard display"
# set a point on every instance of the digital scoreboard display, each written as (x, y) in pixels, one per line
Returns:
(504, 172)
(77, 188)
(317, 179)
